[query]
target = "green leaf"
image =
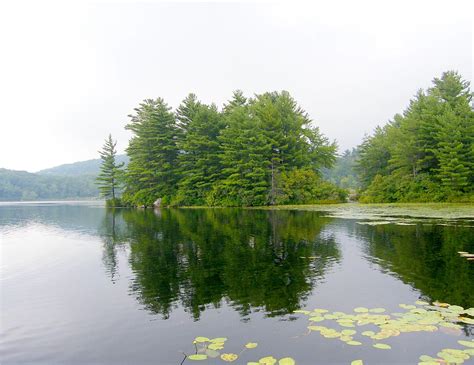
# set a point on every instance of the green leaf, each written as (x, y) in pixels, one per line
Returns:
(229, 357)
(201, 339)
(466, 343)
(357, 362)
(286, 361)
(197, 357)
(216, 346)
(268, 360)
(382, 346)
(354, 343)
(348, 332)
(251, 345)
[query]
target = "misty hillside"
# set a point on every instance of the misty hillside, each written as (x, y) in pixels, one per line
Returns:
(22, 185)
(89, 167)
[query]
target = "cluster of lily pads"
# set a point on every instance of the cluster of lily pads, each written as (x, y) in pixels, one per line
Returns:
(450, 356)
(421, 317)
(425, 317)
(209, 348)
(467, 255)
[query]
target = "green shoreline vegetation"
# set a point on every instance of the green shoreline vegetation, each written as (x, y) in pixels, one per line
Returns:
(265, 151)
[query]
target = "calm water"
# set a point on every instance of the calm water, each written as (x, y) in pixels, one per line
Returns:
(83, 285)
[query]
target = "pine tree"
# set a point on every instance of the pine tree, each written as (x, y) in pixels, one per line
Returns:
(199, 160)
(108, 179)
(151, 172)
(455, 153)
(244, 150)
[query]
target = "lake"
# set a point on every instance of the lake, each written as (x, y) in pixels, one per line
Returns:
(85, 285)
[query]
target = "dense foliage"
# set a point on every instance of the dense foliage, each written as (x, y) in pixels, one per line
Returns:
(22, 185)
(425, 154)
(256, 151)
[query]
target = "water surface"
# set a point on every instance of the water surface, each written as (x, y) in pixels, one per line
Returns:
(82, 284)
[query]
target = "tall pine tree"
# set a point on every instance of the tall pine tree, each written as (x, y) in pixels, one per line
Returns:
(151, 172)
(110, 174)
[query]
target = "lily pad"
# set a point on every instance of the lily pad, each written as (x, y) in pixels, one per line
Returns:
(229, 357)
(426, 358)
(466, 320)
(357, 362)
(377, 310)
(354, 343)
(286, 361)
(317, 319)
(466, 343)
(421, 302)
(201, 339)
(382, 346)
(456, 308)
(268, 360)
(216, 346)
(197, 357)
(251, 345)
(348, 332)
(361, 310)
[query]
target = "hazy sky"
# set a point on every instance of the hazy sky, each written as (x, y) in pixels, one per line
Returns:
(71, 72)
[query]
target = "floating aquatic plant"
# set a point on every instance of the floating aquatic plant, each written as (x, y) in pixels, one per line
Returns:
(422, 317)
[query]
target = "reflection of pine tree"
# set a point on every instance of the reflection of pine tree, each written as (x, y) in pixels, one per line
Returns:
(253, 259)
(112, 236)
(432, 265)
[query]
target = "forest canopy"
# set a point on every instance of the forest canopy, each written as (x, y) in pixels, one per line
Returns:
(427, 152)
(255, 151)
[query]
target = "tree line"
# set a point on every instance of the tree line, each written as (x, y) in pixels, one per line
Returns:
(265, 150)
(427, 152)
(254, 151)
(22, 185)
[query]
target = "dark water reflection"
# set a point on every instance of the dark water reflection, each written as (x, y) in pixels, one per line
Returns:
(426, 257)
(199, 257)
(136, 286)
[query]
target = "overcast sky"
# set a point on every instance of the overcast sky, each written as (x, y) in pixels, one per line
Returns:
(70, 73)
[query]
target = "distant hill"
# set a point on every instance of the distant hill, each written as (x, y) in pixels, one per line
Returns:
(69, 181)
(22, 185)
(89, 167)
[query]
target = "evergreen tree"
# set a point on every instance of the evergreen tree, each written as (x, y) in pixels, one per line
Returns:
(238, 157)
(426, 153)
(199, 159)
(243, 159)
(109, 176)
(151, 172)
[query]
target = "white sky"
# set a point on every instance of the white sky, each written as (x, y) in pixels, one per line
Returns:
(71, 72)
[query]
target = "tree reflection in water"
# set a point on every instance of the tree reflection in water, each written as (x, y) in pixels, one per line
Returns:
(268, 260)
